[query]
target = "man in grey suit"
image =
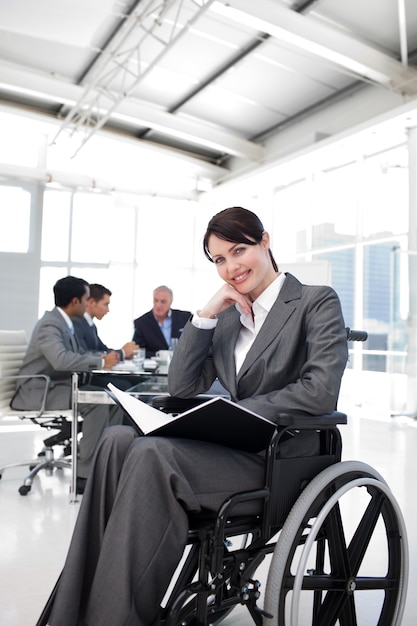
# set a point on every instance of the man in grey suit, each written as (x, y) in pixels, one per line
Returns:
(276, 345)
(98, 305)
(53, 350)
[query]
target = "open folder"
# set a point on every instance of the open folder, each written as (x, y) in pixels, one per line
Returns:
(218, 420)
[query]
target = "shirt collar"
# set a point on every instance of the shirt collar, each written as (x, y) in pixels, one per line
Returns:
(66, 317)
(89, 319)
(265, 301)
(269, 295)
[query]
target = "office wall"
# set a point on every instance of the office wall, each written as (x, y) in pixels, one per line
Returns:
(19, 273)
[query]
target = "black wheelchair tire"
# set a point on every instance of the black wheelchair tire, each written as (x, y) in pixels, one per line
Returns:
(286, 584)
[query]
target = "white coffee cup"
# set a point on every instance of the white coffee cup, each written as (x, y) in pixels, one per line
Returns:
(163, 355)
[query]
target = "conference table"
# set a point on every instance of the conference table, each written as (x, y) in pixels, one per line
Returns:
(148, 384)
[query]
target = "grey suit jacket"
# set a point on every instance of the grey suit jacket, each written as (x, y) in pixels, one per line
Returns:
(88, 339)
(295, 363)
(53, 351)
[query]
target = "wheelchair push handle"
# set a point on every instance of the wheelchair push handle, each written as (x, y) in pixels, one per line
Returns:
(356, 335)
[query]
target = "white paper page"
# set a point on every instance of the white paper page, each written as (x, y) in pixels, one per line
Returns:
(146, 416)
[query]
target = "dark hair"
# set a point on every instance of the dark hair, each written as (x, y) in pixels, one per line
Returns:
(237, 225)
(65, 289)
(97, 292)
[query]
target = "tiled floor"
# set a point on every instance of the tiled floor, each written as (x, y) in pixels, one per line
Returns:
(35, 529)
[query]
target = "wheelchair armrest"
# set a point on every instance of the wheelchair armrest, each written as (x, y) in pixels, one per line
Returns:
(305, 420)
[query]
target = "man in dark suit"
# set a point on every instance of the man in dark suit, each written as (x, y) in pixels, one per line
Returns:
(155, 329)
(86, 332)
(54, 351)
(98, 305)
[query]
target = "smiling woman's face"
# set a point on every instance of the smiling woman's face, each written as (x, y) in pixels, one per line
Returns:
(247, 268)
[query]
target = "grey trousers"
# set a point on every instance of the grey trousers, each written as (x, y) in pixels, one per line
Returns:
(132, 526)
(96, 418)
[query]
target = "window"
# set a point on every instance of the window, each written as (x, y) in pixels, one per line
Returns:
(15, 219)
(91, 228)
(55, 225)
(355, 217)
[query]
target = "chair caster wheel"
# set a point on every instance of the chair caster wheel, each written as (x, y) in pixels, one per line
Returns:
(24, 490)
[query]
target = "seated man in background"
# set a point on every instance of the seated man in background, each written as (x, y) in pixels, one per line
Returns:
(87, 336)
(98, 305)
(155, 329)
(54, 351)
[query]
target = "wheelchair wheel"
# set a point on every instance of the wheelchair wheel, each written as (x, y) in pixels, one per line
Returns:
(342, 554)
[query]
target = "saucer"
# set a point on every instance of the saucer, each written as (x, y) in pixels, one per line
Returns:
(124, 366)
(150, 365)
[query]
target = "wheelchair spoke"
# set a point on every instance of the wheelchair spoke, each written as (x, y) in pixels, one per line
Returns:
(348, 613)
(345, 564)
(338, 552)
(364, 532)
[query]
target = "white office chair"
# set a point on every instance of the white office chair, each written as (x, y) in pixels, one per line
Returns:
(13, 344)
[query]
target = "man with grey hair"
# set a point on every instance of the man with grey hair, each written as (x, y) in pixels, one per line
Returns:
(155, 329)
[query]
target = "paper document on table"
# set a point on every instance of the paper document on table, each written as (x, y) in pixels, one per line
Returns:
(218, 420)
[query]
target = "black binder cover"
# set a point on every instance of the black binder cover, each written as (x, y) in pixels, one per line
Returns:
(218, 420)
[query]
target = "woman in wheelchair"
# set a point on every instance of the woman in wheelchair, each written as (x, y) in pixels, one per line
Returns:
(276, 346)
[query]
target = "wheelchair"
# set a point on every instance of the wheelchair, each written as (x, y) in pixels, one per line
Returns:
(332, 532)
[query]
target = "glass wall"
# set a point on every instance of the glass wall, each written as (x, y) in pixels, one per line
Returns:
(78, 218)
(356, 218)
(129, 244)
(352, 218)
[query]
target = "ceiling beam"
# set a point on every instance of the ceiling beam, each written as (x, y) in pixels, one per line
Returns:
(325, 41)
(137, 114)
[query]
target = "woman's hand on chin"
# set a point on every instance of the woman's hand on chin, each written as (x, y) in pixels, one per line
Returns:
(224, 298)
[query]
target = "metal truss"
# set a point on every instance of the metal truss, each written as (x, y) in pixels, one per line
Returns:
(155, 25)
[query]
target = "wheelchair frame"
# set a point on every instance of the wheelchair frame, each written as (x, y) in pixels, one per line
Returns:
(315, 561)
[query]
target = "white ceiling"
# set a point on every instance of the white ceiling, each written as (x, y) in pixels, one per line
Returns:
(228, 85)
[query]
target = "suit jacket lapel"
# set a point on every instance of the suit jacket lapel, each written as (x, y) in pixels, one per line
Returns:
(95, 334)
(74, 342)
(231, 330)
(66, 330)
(278, 316)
